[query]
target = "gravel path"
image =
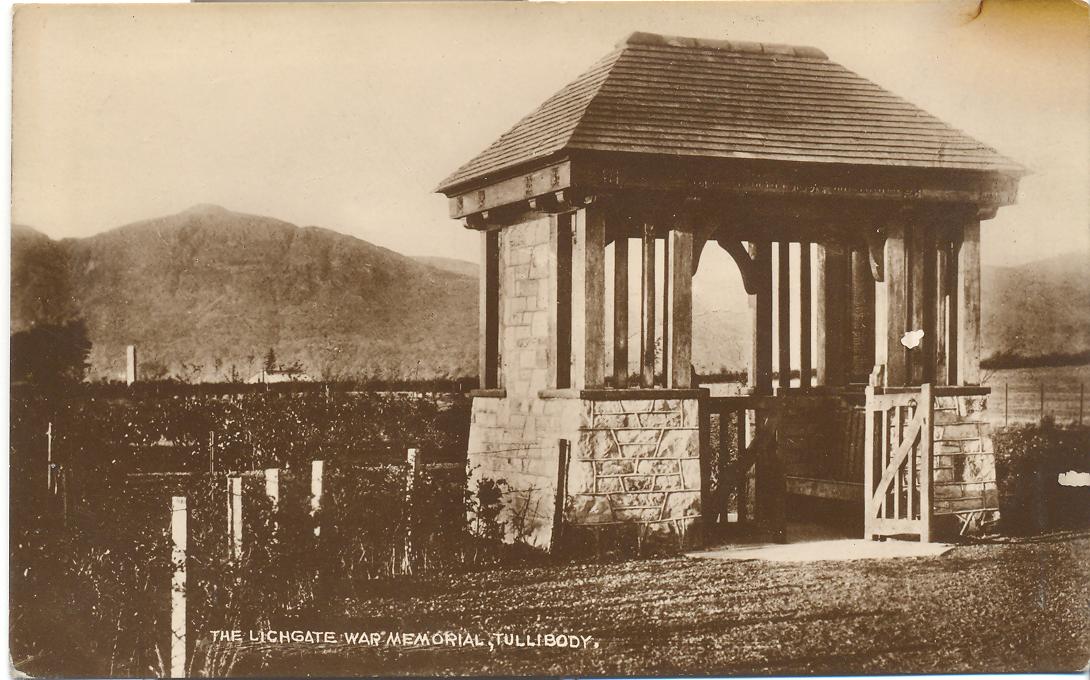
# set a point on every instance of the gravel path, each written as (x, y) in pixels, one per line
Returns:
(1011, 607)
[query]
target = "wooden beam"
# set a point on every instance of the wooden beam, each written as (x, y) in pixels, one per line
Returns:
(529, 185)
(647, 309)
(760, 305)
(681, 310)
(805, 310)
(969, 304)
(783, 291)
(896, 306)
(589, 279)
(831, 313)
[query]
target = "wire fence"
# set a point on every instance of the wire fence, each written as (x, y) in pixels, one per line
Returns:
(1017, 402)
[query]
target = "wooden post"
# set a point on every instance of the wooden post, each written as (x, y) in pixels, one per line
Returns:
(681, 310)
(561, 497)
(830, 314)
(489, 342)
(927, 438)
(1041, 386)
(272, 491)
(647, 309)
(860, 317)
(49, 458)
(212, 452)
(588, 297)
(620, 312)
(562, 314)
(760, 306)
(317, 468)
(921, 302)
(667, 311)
(942, 311)
(969, 304)
(870, 453)
(805, 307)
(412, 471)
(896, 306)
(178, 535)
(783, 290)
(234, 516)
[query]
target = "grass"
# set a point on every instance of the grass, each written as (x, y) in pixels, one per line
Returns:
(1014, 606)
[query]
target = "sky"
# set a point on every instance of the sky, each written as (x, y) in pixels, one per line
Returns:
(347, 116)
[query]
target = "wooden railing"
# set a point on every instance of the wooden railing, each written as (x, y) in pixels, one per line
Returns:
(746, 462)
(898, 478)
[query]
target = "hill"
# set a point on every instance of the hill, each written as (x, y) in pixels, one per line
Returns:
(1038, 308)
(208, 291)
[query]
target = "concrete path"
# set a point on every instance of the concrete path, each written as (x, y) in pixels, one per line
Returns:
(817, 551)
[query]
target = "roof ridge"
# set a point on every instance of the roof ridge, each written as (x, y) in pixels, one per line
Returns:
(659, 40)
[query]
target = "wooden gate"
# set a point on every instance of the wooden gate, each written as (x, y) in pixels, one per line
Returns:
(898, 478)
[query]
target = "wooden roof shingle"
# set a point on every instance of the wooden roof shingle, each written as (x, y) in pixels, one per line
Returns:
(726, 99)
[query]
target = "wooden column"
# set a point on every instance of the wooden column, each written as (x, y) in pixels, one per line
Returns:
(620, 312)
(647, 309)
(667, 365)
(760, 306)
(830, 312)
(942, 310)
(680, 327)
(895, 302)
(861, 316)
(488, 308)
(921, 273)
(969, 304)
(783, 294)
(560, 318)
(805, 305)
(588, 298)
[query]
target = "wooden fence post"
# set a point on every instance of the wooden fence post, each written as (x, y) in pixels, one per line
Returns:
(317, 467)
(234, 516)
(411, 473)
(178, 530)
(561, 494)
(49, 458)
(272, 491)
(927, 445)
(1042, 387)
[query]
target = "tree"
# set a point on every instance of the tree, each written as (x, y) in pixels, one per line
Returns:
(51, 354)
(270, 361)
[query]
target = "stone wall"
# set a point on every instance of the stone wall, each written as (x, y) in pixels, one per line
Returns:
(637, 462)
(964, 462)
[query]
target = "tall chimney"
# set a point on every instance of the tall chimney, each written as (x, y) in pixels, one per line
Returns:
(130, 364)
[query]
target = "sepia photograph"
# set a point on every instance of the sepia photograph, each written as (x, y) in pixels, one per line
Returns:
(610, 339)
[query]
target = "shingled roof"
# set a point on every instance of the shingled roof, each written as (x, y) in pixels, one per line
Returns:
(725, 99)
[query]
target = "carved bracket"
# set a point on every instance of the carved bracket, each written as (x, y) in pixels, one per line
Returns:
(747, 266)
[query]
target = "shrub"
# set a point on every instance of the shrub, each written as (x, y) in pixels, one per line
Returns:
(1029, 460)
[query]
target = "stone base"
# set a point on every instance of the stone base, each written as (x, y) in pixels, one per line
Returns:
(633, 472)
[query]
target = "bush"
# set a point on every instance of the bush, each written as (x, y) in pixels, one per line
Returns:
(1029, 460)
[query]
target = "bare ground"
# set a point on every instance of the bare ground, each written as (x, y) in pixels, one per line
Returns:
(1015, 606)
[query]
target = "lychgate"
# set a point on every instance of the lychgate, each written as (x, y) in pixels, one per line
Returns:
(594, 211)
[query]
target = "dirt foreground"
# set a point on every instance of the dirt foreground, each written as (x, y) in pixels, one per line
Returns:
(1016, 606)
